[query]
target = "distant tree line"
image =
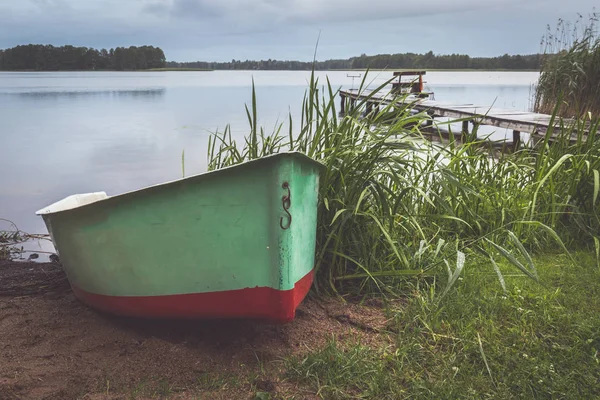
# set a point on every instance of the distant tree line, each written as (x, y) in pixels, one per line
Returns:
(37, 57)
(381, 61)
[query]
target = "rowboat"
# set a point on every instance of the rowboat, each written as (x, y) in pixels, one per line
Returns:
(237, 242)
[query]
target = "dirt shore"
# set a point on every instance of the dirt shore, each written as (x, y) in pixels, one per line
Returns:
(54, 347)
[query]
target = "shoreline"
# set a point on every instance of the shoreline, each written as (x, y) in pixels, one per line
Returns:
(279, 70)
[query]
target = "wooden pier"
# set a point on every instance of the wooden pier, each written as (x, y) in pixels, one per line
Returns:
(518, 121)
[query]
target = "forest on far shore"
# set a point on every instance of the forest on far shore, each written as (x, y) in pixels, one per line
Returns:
(381, 61)
(37, 57)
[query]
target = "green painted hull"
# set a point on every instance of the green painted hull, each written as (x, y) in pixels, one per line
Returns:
(221, 231)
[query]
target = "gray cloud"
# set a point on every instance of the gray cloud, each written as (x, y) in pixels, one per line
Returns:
(158, 8)
(186, 9)
(225, 29)
(317, 11)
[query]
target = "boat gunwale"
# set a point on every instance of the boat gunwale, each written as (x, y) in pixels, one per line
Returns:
(200, 175)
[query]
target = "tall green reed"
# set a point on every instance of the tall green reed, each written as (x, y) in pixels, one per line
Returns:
(393, 205)
(570, 74)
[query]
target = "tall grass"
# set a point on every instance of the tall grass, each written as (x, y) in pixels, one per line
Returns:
(570, 69)
(393, 205)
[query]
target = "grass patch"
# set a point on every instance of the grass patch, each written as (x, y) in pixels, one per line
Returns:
(534, 341)
(209, 383)
(216, 381)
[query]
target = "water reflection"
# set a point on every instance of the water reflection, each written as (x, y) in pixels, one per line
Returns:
(125, 93)
(518, 97)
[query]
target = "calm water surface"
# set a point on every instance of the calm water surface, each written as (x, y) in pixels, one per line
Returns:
(74, 132)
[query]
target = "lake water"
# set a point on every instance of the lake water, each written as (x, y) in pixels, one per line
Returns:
(75, 132)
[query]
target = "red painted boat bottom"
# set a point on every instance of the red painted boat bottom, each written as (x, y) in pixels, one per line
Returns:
(259, 303)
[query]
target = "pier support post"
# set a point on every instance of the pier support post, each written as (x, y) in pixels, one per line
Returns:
(428, 126)
(427, 129)
(516, 140)
(465, 127)
(342, 105)
(369, 108)
(534, 137)
(465, 131)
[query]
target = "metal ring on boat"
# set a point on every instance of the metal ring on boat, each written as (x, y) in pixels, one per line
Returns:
(287, 202)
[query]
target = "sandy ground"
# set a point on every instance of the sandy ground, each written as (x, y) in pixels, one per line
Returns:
(54, 347)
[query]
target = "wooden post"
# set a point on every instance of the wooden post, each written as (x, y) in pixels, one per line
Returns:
(342, 104)
(465, 127)
(465, 131)
(369, 108)
(534, 138)
(516, 140)
(428, 126)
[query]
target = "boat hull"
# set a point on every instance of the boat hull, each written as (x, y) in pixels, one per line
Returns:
(233, 243)
(263, 303)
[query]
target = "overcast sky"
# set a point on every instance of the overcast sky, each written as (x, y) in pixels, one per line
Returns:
(220, 30)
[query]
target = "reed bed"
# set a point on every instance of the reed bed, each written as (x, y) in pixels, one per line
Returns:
(395, 206)
(570, 74)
